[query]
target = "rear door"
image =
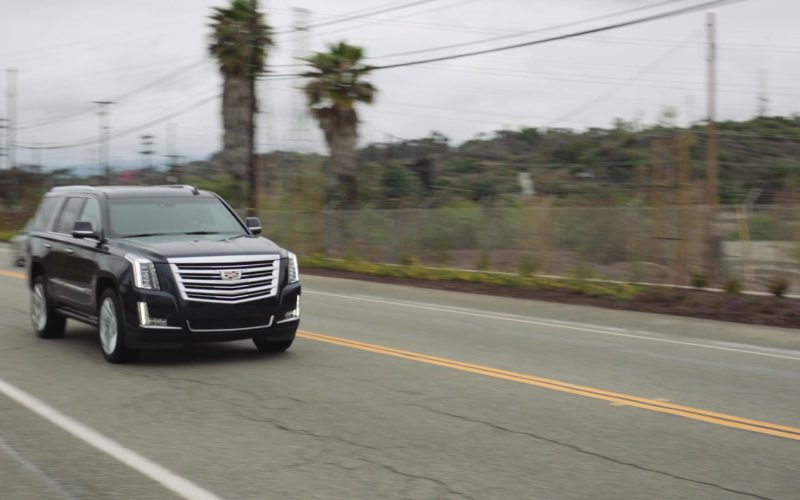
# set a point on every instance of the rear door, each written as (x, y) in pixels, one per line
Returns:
(56, 262)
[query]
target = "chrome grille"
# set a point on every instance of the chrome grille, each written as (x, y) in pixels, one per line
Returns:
(226, 280)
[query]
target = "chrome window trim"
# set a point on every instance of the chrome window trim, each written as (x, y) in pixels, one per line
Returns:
(212, 330)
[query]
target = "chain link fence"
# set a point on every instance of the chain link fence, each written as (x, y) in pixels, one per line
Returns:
(629, 243)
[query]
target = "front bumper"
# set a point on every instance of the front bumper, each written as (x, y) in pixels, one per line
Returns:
(177, 321)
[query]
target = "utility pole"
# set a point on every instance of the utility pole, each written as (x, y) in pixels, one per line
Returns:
(712, 151)
(147, 150)
(763, 100)
(3, 143)
(300, 26)
(252, 174)
(11, 117)
(103, 146)
(172, 156)
(11, 135)
(684, 142)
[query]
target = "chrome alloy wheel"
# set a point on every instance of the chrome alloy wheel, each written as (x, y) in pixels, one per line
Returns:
(108, 326)
(38, 307)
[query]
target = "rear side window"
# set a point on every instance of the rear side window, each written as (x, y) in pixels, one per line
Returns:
(45, 214)
(69, 214)
(91, 213)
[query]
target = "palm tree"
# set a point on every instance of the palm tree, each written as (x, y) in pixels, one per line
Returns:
(335, 87)
(239, 42)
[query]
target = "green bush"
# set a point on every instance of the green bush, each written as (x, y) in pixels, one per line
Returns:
(778, 286)
(598, 233)
(483, 262)
(529, 264)
(222, 184)
(763, 227)
(451, 228)
(699, 279)
(622, 291)
(733, 285)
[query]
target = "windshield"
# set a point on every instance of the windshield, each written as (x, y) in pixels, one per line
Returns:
(156, 216)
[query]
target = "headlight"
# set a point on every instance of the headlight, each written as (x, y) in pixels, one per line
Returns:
(144, 272)
(294, 271)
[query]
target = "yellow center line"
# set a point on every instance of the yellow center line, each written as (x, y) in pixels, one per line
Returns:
(617, 398)
(13, 274)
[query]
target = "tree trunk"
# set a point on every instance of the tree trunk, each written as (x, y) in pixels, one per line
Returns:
(341, 134)
(237, 107)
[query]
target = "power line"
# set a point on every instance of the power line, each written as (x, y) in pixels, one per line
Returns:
(125, 95)
(610, 93)
(623, 24)
(358, 15)
(541, 41)
(137, 128)
(514, 35)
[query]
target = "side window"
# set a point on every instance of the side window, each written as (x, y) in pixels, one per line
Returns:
(69, 214)
(91, 213)
(45, 214)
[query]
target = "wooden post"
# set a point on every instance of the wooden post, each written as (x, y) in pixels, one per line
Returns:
(681, 265)
(712, 153)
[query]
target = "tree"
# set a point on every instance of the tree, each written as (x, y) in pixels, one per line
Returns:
(335, 87)
(239, 41)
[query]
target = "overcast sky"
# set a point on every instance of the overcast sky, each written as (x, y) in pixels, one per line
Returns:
(69, 54)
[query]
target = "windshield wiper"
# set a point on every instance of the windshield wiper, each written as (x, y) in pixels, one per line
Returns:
(229, 238)
(200, 232)
(142, 235)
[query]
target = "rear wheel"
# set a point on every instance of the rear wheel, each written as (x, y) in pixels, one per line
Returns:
(274, 346)
(112, 331)
(47, 323)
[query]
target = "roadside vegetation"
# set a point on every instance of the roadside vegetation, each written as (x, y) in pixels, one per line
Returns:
(732, 306)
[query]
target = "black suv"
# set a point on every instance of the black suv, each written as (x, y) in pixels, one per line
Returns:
(158, 266)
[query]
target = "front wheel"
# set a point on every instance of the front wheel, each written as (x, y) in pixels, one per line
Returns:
(112, 330)
(47, 323)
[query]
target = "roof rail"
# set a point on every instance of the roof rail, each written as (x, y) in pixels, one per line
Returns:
(183, 186)
(71, 187)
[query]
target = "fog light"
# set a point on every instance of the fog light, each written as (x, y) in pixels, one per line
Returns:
(145, 320)
(293, 314)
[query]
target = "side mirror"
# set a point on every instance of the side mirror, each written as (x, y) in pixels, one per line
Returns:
(83, 229)
(253, 225)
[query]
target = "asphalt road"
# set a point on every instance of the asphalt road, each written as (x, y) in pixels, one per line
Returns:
(396, 392)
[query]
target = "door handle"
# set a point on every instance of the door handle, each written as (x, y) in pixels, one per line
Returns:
(48, 246)
(69, 251)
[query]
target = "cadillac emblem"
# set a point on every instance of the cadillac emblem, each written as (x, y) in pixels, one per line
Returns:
(230, 275)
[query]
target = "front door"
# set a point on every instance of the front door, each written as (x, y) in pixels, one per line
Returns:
(81, 261)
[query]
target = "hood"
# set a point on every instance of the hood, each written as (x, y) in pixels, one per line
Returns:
(161, 248)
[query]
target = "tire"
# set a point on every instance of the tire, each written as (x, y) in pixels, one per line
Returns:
(273, 346)
(111, 329)
(47, 323)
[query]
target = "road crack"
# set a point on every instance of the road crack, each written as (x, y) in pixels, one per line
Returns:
(594, 454)
(408, 475)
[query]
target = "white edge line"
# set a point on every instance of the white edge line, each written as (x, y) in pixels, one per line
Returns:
(168, 479)
(563, 325)
(34, 470)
